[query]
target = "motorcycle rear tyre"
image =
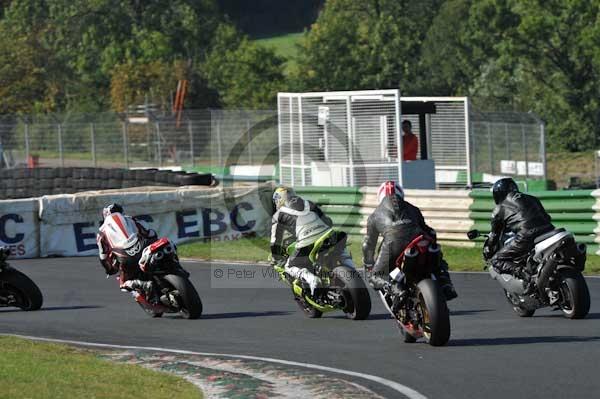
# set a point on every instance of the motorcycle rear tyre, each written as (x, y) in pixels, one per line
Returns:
(437, 333)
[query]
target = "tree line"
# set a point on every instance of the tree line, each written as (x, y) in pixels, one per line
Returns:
(91, 55)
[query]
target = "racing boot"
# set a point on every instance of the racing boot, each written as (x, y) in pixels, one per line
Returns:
(306, 276)
(445, 282)
(504, 266)
(133, 285)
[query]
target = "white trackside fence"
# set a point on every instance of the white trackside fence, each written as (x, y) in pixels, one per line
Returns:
(340, 138)
(354, 138)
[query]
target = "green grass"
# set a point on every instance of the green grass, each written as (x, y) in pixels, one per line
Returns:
(32, 370)
(284, 46)
(257, 250)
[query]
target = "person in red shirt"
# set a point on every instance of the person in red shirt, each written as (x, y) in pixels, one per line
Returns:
(410, 142)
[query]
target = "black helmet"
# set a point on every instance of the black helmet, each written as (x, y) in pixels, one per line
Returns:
(112, 208)
(502, 187)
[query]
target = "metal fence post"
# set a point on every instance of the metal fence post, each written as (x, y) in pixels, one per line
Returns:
(26, 141)
(159, 147)
(507, 142)
(148, 142)
(219, 142)
(490, 149)
(473, 148)
(60, 147)
(543, 146)
(125, 145)
(524, 138)
(248, 131)
(191, 133)
(93, 138)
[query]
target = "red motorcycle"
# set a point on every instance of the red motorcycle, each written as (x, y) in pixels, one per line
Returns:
(170, 290)
(414, 297)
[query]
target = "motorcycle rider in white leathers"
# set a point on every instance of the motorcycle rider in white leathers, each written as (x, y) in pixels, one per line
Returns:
(120, 234)
(305, 223)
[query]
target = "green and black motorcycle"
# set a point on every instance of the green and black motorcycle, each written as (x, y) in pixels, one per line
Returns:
(342, 287)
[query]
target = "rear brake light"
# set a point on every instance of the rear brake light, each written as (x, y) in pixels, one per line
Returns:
(157, 244)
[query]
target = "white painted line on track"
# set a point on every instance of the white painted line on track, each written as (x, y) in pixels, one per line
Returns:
(403, 389)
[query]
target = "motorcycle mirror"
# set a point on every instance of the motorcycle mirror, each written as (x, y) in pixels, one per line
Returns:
(473, 234)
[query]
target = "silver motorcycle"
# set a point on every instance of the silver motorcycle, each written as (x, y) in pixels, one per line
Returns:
(550, 276)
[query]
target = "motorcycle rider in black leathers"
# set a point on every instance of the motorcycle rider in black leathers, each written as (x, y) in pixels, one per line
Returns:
(520, 214)
(399, 222)
(304, 222)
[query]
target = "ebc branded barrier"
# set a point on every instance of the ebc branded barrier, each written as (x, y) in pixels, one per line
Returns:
(69, 223)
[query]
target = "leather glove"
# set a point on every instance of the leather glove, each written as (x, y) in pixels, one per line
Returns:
(487, 253)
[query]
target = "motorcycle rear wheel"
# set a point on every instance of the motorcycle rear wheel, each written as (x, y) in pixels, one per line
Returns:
(26, 292)
(191, 306)
(436, 317)
(575, 296)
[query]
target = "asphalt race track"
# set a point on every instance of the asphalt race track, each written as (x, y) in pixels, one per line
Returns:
(492, 352)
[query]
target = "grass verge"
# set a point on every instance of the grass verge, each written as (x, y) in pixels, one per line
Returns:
(40, 370)
(257, 250)
(284, 46)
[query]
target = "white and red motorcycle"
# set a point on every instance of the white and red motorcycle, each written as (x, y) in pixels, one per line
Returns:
(166, 286)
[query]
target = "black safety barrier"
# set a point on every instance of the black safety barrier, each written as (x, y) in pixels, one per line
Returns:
(36, 182)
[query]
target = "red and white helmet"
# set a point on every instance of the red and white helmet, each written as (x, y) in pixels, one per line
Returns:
(112, 208)
(389, 188)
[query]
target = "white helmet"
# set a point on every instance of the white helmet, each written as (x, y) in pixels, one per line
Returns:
(389, 188)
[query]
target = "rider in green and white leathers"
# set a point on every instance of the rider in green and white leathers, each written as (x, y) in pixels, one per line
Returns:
(305, 223)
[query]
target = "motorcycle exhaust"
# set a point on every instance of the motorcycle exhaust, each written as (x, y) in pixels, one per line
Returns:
(580, 258)
(509, 282)
(546, 273)
(410, 260)
(434, 252)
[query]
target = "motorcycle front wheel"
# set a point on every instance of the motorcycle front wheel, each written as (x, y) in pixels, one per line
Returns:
(26, 293)
(434, 311)
(355, 292)
(191, 305)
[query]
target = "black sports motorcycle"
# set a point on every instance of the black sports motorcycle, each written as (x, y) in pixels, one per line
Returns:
(551, 275)
(16, 289)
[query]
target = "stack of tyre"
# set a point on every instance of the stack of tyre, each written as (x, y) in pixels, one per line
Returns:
(27, 183)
